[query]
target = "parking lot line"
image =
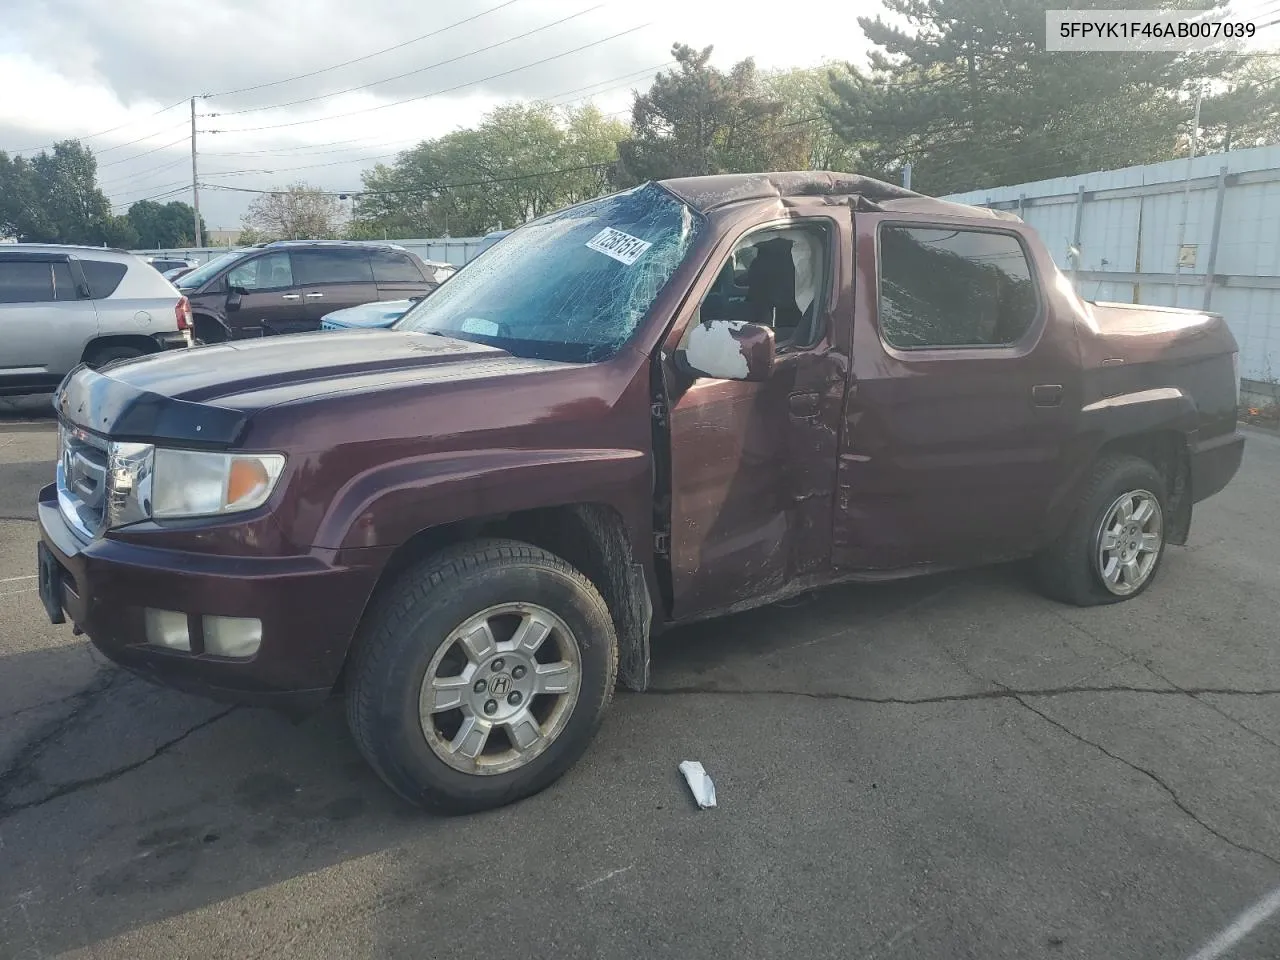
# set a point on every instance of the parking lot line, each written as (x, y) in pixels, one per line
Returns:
(1241, 928)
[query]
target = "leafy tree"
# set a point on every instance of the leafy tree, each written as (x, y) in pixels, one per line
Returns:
(166, 225)
(802, 91)
(1246, 113)
(521, 161)
(968, 94)
(697, 120)
(75, 209)
(54, 197)
(20, 210)
(298, 212)
(119, 232)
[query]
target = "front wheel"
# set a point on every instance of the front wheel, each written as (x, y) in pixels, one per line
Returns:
(481, 675)
(1113, 545)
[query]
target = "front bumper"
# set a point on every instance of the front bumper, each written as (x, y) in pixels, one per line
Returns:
(309, 606)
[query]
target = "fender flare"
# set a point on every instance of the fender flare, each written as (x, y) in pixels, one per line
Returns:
(392, 502)
(1126, 416)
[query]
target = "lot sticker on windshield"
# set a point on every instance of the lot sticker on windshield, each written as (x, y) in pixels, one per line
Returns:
(621, 246)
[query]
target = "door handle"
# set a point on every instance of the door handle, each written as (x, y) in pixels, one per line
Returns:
(313, 295)
(291, 296)
(1046, 394)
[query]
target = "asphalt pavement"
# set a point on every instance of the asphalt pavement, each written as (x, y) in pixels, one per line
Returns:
(935, 769)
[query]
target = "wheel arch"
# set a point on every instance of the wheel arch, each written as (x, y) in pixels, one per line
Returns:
(215, 327)
(137, 341)
(592, 537)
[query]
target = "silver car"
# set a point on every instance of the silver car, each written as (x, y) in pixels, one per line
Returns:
(61, 306)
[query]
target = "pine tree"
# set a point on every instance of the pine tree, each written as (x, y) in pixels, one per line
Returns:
(969, 95)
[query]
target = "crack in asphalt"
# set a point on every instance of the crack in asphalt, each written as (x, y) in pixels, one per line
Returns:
(75, 786)
(21, 767)
(1154, 778)
(1004, 693)
(1148, 665)
(1019, 696)
(12, 519)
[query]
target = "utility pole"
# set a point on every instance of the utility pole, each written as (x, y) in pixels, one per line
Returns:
(195, 187)
(1186, 197)
(906, 175)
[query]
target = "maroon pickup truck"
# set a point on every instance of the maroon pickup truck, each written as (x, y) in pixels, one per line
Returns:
(686, 399)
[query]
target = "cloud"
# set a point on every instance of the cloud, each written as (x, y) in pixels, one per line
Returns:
(87, 66)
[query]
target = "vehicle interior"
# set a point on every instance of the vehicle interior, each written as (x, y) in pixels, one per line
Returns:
(772, 278)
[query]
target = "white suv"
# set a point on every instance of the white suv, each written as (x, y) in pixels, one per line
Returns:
(61, 306)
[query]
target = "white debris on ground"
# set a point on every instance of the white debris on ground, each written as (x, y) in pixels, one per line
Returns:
(704, 791)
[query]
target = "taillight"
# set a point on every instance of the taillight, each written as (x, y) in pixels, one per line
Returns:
(182, 313)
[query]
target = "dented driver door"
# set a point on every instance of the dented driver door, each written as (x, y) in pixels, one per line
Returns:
(753, 464)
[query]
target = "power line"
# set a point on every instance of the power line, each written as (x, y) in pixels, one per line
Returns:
(149, 136)
(332, 147)
(625, 76)
(167, 189)
(145, 153)
(427, 189)
(103, 133)
(134, 176)
(410, 73)
(167, 195)
(367, 56)
(437, 93)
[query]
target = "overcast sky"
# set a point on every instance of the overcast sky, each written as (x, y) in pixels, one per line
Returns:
(84, 67)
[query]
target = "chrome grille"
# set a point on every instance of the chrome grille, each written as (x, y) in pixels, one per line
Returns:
(82, 480)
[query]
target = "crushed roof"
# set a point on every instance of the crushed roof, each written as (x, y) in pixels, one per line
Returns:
(707, 193)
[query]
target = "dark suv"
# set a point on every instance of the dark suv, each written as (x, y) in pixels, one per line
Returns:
(287, 286)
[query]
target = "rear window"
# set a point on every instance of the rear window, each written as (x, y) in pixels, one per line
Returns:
(103, 276)
(26, 281)
(331, 266)
(394, 268)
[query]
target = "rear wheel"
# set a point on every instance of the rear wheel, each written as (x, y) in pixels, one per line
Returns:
(101, 356)
(481, 675)
(1115, 541)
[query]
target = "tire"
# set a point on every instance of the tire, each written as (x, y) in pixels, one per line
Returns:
(1074, 568)
(101, 356)
(411, 633)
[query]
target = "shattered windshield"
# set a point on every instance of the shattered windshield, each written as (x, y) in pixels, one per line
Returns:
(570, 286)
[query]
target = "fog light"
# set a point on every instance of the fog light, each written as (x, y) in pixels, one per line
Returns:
(168, 628)
(232, 636)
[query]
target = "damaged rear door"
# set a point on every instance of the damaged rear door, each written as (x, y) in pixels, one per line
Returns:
(753, 464)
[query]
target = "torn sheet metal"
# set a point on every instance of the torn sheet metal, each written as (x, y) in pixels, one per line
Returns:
(704, 791)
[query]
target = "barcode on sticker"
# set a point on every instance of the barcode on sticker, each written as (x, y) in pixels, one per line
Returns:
(623, 247)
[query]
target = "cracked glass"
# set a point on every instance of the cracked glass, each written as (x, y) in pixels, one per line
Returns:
(542, 292)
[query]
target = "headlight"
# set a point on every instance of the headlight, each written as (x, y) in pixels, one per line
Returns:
(187, 483)
(129, 467)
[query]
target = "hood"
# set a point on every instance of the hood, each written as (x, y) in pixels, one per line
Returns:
(380, 314)
(204, 395)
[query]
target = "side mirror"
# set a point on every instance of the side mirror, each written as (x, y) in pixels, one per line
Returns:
(233, 297)
(730, 350)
